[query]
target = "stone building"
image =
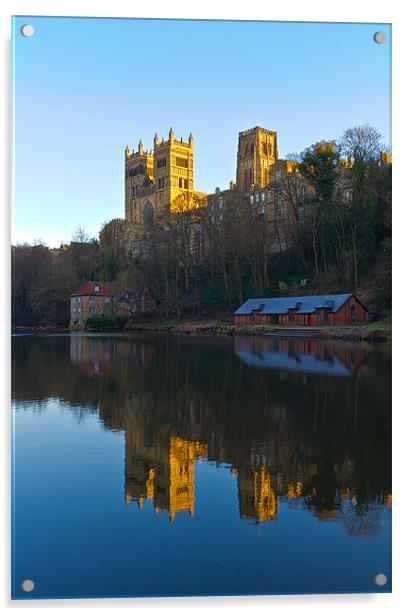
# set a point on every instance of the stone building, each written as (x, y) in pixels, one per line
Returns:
(92, 299)
(257, 151)
(159, 183)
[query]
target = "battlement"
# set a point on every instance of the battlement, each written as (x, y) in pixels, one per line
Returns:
(138, 154)
(172, 141)
(252, 131)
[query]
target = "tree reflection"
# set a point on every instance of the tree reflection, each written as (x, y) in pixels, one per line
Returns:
(290, 429)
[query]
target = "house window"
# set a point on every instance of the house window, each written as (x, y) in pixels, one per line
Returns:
(107, 300)
(92, 308)
(251, 199)
(352, 313)
(263, 196)
(96, 288)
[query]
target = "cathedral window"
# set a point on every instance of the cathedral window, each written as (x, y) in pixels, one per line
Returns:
(161, 162)
(181, 162)
(148, 213)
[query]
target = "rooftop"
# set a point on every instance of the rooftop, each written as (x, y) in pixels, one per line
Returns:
(302, 304)
(95, 287)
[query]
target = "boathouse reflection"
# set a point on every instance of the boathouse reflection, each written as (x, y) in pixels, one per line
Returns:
(291, 432)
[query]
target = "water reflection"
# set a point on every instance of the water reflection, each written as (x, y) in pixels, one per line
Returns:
(301, 355)
(291, 432)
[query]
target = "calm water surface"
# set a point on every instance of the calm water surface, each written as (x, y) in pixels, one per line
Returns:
(164, 465)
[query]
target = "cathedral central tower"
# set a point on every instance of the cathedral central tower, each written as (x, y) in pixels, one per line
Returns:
(257, 151)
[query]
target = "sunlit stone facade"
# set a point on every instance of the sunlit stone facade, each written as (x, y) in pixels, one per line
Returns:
(159, 182)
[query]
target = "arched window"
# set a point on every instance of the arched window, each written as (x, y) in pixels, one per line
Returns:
(247, 179)
(148, 213)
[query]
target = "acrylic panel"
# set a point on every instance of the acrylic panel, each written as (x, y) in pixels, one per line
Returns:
(201, 291)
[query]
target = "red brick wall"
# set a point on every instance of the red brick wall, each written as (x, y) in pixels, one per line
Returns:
(342, 317)
(255, 319)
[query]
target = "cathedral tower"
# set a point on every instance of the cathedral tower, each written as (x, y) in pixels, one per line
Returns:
(257, 151)
(138, 177)
(158, 183)
(173, 170)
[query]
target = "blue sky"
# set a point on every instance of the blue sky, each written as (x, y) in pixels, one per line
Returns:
(85, 88)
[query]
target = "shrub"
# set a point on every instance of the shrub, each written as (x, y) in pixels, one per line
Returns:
(103, 324)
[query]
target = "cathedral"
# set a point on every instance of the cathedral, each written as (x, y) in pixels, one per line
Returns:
(160, 182)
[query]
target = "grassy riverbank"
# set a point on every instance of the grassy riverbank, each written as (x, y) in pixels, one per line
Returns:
(380, 330)
(376, 331)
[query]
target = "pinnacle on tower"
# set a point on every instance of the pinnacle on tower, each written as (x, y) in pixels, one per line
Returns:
(155, 140)
(190, 139)
(140, 146)
(171, 135)
(127, 153)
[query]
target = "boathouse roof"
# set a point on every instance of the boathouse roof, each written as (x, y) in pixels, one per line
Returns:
(301, 304)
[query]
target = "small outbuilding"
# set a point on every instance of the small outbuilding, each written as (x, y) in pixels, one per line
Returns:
(309, 310)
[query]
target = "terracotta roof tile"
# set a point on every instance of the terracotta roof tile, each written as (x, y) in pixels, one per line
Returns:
(96, 287)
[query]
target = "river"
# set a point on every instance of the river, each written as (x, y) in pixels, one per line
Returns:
(154, 464)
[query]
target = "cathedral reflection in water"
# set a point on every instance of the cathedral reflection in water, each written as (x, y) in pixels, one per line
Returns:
(296, 421)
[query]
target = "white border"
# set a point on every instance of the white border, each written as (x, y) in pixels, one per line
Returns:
(296, 10)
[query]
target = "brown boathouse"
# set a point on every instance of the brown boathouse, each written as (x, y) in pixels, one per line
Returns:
(308, 310)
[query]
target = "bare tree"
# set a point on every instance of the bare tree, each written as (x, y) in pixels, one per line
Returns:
(80, 235)
(363, 143)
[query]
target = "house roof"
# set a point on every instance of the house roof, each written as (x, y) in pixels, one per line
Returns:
(302, 304)
(95, 287)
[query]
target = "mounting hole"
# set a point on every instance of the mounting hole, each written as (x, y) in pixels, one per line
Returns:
(27, 30)
(380, 579)
(27, 585)
(379, 37)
